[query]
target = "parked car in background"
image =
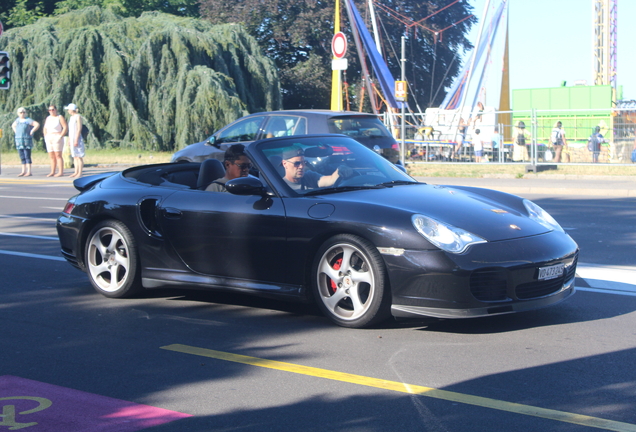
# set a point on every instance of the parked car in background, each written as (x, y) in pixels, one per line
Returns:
(365, 128)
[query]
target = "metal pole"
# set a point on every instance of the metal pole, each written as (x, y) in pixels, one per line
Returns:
(363, 64)
(402, 131)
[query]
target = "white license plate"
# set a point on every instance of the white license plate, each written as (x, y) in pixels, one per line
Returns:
(551, 272)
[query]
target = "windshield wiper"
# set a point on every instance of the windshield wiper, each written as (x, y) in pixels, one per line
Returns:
(399, 182)
(342, 189)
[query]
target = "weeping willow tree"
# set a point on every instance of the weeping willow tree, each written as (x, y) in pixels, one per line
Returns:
(156, 82)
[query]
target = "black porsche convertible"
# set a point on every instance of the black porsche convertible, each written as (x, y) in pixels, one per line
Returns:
(371, 244)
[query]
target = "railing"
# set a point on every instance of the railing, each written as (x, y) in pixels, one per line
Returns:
(436, 138)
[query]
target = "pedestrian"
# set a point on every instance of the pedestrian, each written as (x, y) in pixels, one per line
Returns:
(478, 146)
(521, 139)
(24, 127)
(558, 140)
(75, 140)
(55, 128)
(459, 139)
(594, 143)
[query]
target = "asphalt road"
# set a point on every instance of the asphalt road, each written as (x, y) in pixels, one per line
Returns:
(217, 362)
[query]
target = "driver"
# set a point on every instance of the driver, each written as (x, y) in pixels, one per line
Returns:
(298, 177)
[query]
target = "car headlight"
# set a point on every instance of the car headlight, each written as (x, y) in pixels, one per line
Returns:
(541, 216)
(444, 236)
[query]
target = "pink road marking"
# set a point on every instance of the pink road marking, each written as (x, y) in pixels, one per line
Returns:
(34, 406)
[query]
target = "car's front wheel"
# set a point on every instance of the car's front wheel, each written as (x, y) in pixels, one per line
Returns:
(112, 261)
(350, 282)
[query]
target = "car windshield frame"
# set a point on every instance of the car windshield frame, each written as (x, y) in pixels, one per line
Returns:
(324, 154)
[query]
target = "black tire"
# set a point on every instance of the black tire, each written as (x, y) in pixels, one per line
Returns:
(112, 261)
(349, 282)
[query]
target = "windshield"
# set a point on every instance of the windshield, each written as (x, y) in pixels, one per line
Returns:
(358, 126)
(328, 164)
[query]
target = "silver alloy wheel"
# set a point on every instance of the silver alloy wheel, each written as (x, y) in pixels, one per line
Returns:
(108, 259)
(346, 282)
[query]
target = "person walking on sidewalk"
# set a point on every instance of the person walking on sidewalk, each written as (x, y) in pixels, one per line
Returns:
(558, 141)
(75, 140)
(54, 130)
(521, 139)
(24, 127)
(594, 143)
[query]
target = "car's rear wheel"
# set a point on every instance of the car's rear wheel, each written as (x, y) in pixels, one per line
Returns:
(350, 283)
(112, 261)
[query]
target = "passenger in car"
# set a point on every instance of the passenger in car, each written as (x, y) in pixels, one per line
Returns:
(298, 177)
(236, 164)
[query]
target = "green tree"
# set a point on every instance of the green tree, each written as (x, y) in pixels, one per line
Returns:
(20, 14)
(156, 82)
(297, 34)
(16, 13)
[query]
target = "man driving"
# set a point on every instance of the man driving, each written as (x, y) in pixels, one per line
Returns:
(298, 177)
(236, 164)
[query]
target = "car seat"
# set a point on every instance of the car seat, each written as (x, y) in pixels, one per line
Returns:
(277, 127)
(210, 170)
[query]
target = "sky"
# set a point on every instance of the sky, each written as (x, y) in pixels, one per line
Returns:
(551, 42)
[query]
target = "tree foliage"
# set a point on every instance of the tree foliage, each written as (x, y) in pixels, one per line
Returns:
(297, 34)
(155, 82)
(17, 13)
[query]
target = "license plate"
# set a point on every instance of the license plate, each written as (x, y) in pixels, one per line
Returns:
(551, 272)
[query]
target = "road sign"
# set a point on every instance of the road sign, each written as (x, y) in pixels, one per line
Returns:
(339, 45)
(400, 91)
(339, 64)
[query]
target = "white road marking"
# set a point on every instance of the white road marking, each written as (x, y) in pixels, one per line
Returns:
(28, 255)
(26, 217)
(607, 279)
(33, 198)
(29, 236)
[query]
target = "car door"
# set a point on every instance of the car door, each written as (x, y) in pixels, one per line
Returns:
(226, 235)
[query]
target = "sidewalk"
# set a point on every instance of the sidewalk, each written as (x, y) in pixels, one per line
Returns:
(40, 171)
(543, 184)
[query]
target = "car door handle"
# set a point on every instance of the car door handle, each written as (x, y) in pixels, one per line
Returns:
(171, 213)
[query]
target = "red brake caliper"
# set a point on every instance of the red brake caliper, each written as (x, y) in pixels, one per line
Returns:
(336, 266)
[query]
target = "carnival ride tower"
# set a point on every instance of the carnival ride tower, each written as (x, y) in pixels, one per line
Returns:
(604, 42)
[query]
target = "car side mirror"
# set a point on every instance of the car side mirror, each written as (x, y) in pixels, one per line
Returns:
(246, 186)
(212, 141)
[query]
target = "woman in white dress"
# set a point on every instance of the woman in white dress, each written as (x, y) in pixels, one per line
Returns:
(55, 128)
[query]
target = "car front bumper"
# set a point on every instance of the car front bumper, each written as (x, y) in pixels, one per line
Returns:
(490, 279)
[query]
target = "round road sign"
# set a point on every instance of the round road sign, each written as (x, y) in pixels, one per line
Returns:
(339, 45)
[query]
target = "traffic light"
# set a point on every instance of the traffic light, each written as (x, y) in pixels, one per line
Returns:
(5, 71)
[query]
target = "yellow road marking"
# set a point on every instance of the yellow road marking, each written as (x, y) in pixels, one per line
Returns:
(561, 416)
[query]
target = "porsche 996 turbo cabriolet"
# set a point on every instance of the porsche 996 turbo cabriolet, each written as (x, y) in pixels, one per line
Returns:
(319, 218)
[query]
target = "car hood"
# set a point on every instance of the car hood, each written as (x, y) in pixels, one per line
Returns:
(492, 215)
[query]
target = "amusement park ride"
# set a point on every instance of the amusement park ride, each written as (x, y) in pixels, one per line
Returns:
(464, 102)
